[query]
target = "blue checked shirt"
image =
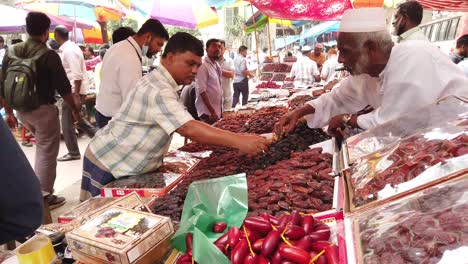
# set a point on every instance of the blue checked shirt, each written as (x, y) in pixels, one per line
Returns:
(137, 138)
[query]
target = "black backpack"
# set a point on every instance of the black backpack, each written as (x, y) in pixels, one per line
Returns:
(19, 83)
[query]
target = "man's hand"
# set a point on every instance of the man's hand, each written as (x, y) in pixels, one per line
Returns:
(76, 116)
(286, 124)
(252, 144)
(337, 126)
(11, 120)
(213, 117)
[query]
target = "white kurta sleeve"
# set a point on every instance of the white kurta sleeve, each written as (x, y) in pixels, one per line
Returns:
(347, 98)
(409, 84)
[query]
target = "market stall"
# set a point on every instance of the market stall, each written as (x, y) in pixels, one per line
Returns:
(392, 194)
(281, 192)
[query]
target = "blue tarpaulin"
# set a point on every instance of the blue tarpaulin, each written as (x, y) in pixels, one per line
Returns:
(325, 27)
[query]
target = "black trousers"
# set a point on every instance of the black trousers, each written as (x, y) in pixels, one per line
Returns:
(102, 120)
(241, 88)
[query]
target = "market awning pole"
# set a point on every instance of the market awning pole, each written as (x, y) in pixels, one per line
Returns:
(284, 34)
(74, 24)
(256, 40)
(269, 37)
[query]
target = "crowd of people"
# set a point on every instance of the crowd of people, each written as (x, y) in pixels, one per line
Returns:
(138, 113)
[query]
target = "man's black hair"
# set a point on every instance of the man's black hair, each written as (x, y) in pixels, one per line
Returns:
(102, 52)
(154, 27)
(222, 42)
(104, 46)
(62, 32)
(210, 41)
(91, 49)
(16, 41)
(182, 42)
(122, 33)
(2, 40)
(53, 44)
(413, 10)
(242, 48)
(37, 23)
(462, 41)
(265, 50)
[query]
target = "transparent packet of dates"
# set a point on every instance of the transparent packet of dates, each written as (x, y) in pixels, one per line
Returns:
(447, 109)
(407, 165)
(428, 226)
(176, 164)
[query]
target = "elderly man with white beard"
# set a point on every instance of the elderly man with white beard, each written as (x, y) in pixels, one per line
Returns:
(394, 80)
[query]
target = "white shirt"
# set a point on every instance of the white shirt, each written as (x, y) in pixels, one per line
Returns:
(226, 83)
(2, 54)
(329, 67)
(240, 65)
(74, 65)
(121, 68)
(417, 74)
(412, 34)
(304, 71)
(463, 65)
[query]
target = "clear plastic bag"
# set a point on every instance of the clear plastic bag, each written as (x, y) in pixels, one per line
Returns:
(409, 163)
(448, 109)
(429, 226)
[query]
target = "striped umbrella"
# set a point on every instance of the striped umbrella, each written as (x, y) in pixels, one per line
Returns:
(445, 5)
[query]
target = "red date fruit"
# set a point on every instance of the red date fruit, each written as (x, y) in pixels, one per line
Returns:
(219, 227)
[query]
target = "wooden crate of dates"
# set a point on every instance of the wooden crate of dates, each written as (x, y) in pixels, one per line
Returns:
(429, 226)
(407, 165)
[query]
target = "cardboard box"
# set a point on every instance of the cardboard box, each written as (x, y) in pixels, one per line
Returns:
(120, 235)
(94, 204)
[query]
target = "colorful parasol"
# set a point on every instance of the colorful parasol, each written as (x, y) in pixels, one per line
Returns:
(98, 10)
(16, 21)
(261, 21)
(182, 13)
(303, 10)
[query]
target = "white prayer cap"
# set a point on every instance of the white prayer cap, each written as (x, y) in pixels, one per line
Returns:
(363, 20)
(306, 48)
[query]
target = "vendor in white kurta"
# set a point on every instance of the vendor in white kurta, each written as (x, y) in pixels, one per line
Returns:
(137, 138)
(227, 76)
(393, 80)
(406, 22)
(304, 70)
(329, 67)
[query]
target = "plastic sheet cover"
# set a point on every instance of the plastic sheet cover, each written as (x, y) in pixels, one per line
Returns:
(409, 163)
(208, 202)
(303, 10)
(450, 108)
(429, 226)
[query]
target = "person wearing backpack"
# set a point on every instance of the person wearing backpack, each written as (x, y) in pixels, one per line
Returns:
(30, 77)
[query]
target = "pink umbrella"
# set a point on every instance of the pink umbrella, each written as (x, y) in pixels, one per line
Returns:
(303, 10)
(182, 13)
